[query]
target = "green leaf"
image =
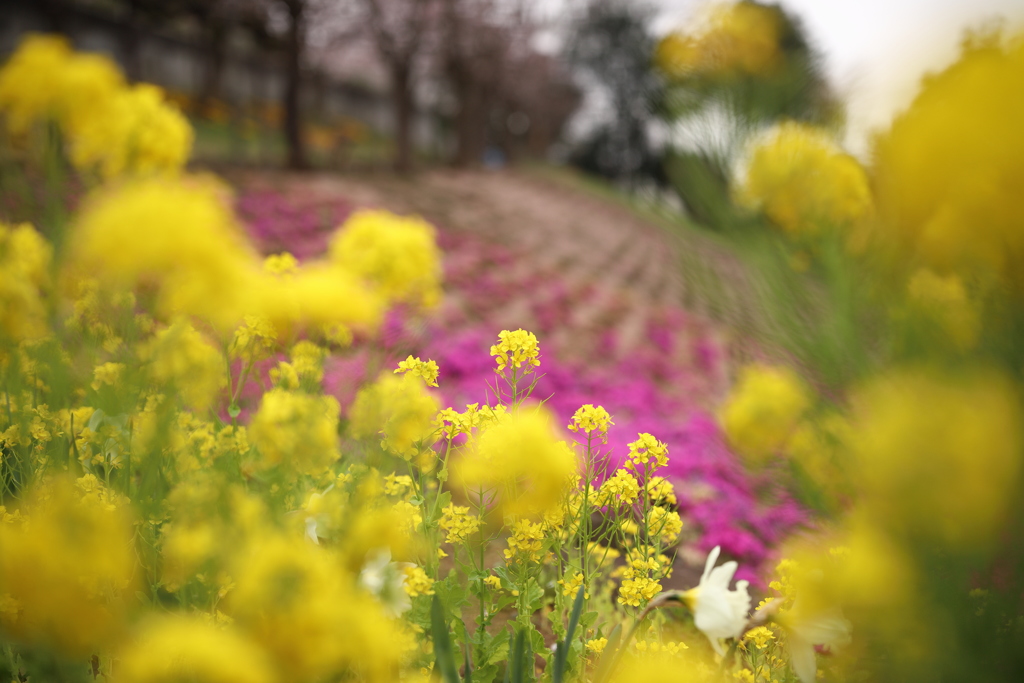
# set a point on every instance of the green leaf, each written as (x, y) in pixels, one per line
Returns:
(587, 619)
(563, 648)
(496, 651)
(610, 657)
(467, 674)
(534, 595)
(444, 656)
(516, 663)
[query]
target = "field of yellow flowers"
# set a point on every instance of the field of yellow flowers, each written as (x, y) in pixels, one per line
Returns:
(182, 500)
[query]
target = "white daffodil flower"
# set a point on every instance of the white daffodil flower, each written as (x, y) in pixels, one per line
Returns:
(717, 611)
(386, 580)
(826, 627)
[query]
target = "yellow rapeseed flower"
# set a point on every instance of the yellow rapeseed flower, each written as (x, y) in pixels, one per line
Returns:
(643, 450)
(762, 411)
(293, 598)
(179, 647)
(805, 183)
(737, 38)
(947, 171)
(67, 572)
(458, 525)
(937, 455)
(591, 419)
(417, 582)
(24, 280)
(516, 348)
(181, 358)
(398, 409)
(523, 459)
(296, 429)
(427, 370)
(190, 250)
(395, 254)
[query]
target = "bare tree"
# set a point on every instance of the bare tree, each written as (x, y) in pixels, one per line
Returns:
(295, 38)
(399, 29)
(481, 39)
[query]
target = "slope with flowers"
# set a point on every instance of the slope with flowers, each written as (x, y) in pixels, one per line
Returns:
(603, 291)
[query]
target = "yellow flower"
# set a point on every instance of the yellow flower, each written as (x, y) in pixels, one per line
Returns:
(24, 280)
(572, 586)
(318, 296)
(191, 251)
(427, 370)
(293, 599)
(400, 410)
(805, 183)
(621, 488)
(68, 571)
(937, 455)
(178, 647)
(522, 458)
(763, 410)
(254, 340)
(395, 254)
(516, 348)
(417, 582)
(458, 524)
(759, 637)
(397, 484)
(525, 541)
(38, 59)
(494, 582)
(183, 359)
(281, 264)
(738, 38)
(947, 170)
(665, 523)
(135, 132)
(296, 429)
(643, 449)
(591, 419)
(107, 374)
(597, 645)
(660, 490)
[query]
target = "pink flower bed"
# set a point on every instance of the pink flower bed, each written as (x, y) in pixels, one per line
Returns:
(663, 386)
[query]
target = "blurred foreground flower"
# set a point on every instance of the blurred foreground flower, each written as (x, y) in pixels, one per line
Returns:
(805, 183)
(762, 411)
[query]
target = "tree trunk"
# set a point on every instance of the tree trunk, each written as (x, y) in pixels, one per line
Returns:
(469, 147)
(213, 68)
(293, 85)
(402, 100)
(131, 41)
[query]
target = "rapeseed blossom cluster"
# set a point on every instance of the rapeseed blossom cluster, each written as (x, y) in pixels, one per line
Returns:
(763, 410)
(736, 39)
(805, 183)
(397, 255)
(111, 128)
(24, 281)
(514, 349)
(911, 445)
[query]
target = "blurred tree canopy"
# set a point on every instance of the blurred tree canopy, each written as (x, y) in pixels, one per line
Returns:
(611, 46)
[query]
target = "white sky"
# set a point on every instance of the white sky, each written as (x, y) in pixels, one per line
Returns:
(876, 50)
